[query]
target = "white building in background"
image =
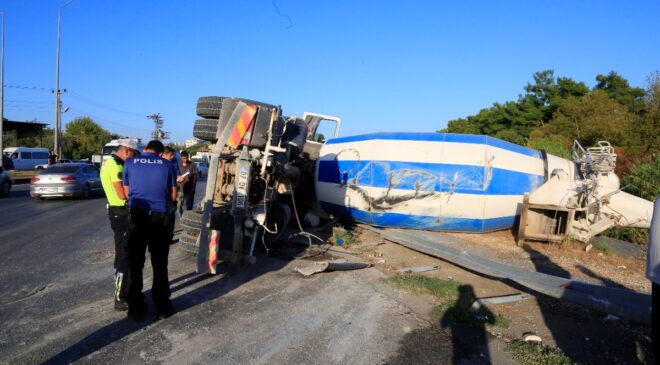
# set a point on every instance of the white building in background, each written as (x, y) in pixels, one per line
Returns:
(202, 154)
(192, 142)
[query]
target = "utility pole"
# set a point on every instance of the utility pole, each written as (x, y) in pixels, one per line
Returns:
(2, 86)
(158, 133)
(58, 116)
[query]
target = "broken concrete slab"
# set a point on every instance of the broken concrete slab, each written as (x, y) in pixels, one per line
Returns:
(500, 299)
(419, 269)
(335, 265)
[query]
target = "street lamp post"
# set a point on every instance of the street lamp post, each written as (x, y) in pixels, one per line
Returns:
(2, 85)
(57, 84)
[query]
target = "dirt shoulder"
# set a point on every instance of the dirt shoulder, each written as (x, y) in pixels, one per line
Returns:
(581, 334)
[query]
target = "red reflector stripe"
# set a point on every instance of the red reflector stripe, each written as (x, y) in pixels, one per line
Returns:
(244, 123)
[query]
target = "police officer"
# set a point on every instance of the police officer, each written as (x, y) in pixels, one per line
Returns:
(170, 155)
(111, 178)
(150, 185)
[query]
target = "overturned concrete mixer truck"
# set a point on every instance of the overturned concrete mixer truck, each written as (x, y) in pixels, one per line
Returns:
(266, 167)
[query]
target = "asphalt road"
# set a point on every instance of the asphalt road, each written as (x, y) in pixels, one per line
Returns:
(56, 303)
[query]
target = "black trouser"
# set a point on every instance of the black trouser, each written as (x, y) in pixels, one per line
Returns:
(149, 230)
(120, 226)
(655, 321)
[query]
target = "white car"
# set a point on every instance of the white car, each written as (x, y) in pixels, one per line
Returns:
(45, 165)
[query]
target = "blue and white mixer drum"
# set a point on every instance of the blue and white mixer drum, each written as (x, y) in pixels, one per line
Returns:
(435, 181)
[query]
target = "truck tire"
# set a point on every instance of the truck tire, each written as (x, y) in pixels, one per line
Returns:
(209, 106)
(206, 129)
(188, 243)
(191, 219)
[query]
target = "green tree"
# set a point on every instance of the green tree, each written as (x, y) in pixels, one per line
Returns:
(618, 89)
(514, 121)
(82, 138)
(646, 129)
(557, 145)
(592, 118)
(643, 180)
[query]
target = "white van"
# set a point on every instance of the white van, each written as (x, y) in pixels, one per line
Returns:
(26, 158)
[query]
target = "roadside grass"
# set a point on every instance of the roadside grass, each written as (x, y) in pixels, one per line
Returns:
(343, 237)
(452, 307)
(639, 236)
(602, 247)
(530, 353)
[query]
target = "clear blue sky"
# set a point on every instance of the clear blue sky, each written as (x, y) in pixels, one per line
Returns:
(379, 65)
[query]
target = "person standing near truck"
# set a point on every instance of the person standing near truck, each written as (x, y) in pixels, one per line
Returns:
(111, 179)
(187, 183)
(150, 184)
(169, 154)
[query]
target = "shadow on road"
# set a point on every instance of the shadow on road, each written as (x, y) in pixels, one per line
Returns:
(467, 344)
(544, 265)
(584, 335)
(227, 280)
(606, 281)
(468, 329)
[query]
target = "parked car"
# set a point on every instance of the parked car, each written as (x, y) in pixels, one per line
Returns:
(5, 182)
(203, 168)
(69, 179)
(45, 165)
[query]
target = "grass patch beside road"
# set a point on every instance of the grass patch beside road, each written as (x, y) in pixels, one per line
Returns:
(420, 284)
(602, 247)
(455, 299)
(529, 353)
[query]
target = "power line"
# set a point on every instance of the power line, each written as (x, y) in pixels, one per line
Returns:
(29, 108)
(277, 10)
(85, 112)
(37, 88)
(76, 96)
(92, 102)
(27, 102)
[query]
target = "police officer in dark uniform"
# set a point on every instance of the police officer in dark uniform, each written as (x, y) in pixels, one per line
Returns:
(150, 185)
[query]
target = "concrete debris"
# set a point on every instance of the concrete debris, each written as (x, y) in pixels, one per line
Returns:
(336, 265)
(532, 338)
(621, 302)
(588, 247)
(479, 303)
(419, 269)
(375, 244)
(611, 317)
(622, 267)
